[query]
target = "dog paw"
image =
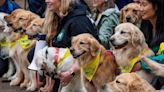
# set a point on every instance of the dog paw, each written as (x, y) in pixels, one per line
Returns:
(5, 75)
(15, 82)
(31, 88)
(12, 77)
(24, 84)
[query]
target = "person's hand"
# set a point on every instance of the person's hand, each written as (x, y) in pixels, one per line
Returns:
(65, 78)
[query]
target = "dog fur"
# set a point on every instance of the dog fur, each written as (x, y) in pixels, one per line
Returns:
(84, 49)
(4, 50)
(130, 13)
(129, 42)
(19, 20)
(130, 82)
(44, 60)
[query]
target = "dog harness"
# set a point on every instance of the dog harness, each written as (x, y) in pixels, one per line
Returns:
(58, 61)
(90, 69)
(128, 69)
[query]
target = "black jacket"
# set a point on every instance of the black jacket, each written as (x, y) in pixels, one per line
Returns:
(76, 22)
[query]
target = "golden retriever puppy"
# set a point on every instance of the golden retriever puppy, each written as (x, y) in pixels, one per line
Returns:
(129, 44)
(130, 82)
(156, 68)
(98, 65)
(130, 13)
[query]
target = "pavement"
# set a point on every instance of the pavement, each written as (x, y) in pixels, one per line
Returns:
(5, 87)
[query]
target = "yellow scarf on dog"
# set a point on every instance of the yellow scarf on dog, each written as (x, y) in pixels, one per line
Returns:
(24, 41)
(3, 42)
(90, 69)
(11, 44)
(161, 49)
(128, 69)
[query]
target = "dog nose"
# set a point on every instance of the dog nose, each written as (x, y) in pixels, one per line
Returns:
(128, 18)
(112, 40)
(72, 50)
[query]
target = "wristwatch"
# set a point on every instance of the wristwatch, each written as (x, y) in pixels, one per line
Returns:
(72, 72)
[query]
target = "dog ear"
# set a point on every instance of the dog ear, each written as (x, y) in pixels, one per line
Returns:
(94, 46)
(122, 15)
(137, 37)
(139, 84)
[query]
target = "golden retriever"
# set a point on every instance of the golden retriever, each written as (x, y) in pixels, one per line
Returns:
(4, 44)
(130, 82)
(130, 13)
(35, 27)
(87, 50)
(19, 20)
(129, 44)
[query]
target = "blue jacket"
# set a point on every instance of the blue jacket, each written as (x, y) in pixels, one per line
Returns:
(8, 7)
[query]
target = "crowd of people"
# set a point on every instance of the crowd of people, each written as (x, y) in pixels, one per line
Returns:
(67, 18)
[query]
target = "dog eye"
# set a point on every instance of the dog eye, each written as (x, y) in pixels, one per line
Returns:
(118, 81)
(122, 32)
(34, 25)
(134, 11)
(126, 10)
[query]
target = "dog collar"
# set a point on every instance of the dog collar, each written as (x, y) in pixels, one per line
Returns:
(128, 69)
(90, 69)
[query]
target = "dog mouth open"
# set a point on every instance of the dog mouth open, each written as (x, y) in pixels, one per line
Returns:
(76, 54)
(119, 46)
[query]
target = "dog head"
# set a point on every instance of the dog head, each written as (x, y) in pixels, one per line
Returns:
(12, 17)
(42, 61)
(35, 26)
(84, 46)
(130, 13)
(130, 82)
(3, 24)
(127, 34)
(20, 19)
(53, 61)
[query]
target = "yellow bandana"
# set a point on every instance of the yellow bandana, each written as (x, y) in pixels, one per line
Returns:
(67, 53)
(128, 69)
(3, 43)
(11, 44)
(161, 49)
(24, 41)
(90, 69)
